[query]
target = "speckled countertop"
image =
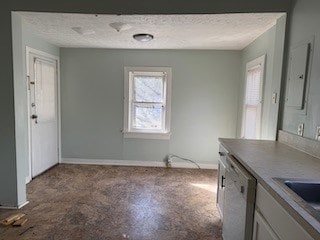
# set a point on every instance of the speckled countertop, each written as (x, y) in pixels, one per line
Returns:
(267, 160)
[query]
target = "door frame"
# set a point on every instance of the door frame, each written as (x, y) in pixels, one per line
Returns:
(39, 53)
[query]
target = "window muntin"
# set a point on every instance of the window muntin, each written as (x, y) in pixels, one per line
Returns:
(147, 100)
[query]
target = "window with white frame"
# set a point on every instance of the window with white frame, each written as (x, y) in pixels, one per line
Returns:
(147, 102)
(251, 123)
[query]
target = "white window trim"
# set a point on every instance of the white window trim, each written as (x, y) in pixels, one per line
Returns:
(147, 134)
(250, 65)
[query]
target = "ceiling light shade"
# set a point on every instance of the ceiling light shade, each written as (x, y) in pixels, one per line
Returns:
(143, 37)
(120, 26)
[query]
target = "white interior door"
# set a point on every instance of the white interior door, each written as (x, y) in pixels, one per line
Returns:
(43, 113)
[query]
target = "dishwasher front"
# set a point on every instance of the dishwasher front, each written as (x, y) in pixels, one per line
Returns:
(239, 202)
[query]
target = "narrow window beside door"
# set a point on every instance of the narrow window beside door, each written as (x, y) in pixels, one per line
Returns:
(147, 102)
(251, 125)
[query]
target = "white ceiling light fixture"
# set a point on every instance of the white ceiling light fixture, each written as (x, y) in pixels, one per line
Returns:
(120, 26)
(83, 31)
(143, 37)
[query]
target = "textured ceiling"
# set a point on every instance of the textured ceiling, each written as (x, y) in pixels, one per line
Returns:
(207, 31)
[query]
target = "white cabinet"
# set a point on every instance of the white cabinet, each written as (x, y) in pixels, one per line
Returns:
(274, 220)
(221, 179)
(262, 230)
(221, 186)
(235, 198)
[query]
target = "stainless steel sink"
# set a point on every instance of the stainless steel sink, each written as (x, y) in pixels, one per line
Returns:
(307, 190)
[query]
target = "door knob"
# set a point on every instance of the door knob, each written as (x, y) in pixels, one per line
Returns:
(221, 154)
(35, 117)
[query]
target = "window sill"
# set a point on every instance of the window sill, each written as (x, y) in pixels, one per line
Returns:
(144, 135)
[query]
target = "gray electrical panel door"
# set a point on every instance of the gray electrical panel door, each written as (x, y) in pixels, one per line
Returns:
(297, 76)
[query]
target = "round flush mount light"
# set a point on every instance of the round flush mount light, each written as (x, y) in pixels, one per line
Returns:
(143, 37)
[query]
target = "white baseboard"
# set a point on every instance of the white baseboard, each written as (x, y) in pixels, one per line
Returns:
(28, 179)
(193, 166)
(14, 208)
(135, 163)
(23, 204)
(111, 162)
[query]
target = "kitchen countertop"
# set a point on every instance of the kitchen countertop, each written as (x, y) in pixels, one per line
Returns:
(267, 160)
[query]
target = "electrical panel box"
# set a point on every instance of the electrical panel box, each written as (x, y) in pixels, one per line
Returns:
(297, 77)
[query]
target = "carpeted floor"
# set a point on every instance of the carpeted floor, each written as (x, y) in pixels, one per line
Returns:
(106, 202)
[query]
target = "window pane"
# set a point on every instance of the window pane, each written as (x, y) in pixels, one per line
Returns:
(149, 118)
(253, 86)
(148, 89)
(250, 122)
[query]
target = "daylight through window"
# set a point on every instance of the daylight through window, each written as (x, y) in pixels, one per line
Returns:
(251, 123)
(147, 102)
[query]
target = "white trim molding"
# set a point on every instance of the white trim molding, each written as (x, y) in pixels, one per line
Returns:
(129, 101)
(23, 204)
(43, 54)
(258, 62)
(136, 163)
(159, 136)
(192, 166)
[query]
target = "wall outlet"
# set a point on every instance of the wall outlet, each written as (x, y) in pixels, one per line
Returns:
(318, 133)
(169, 161)
(300, 129)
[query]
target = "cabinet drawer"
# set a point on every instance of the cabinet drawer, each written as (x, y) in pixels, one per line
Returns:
(223, 155)
(277, 217)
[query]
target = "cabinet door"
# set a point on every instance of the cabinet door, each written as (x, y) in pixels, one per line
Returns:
(281, 222)
(220, 191)
(261, 229)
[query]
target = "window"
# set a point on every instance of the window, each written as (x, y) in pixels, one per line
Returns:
(147, 102)
(251, 123)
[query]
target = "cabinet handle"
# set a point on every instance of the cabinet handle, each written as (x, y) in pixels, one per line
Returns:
(222, 181)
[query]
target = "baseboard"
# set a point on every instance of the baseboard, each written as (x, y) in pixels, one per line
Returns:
(111, 162)
(23, 204)
(28, 179)
(192, 165)
(14, 208)
(135, 163)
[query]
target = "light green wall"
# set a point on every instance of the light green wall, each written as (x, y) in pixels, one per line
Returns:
(204, 103)
(305, 24)
(22, 37)
(270, 44)
(8, 174)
